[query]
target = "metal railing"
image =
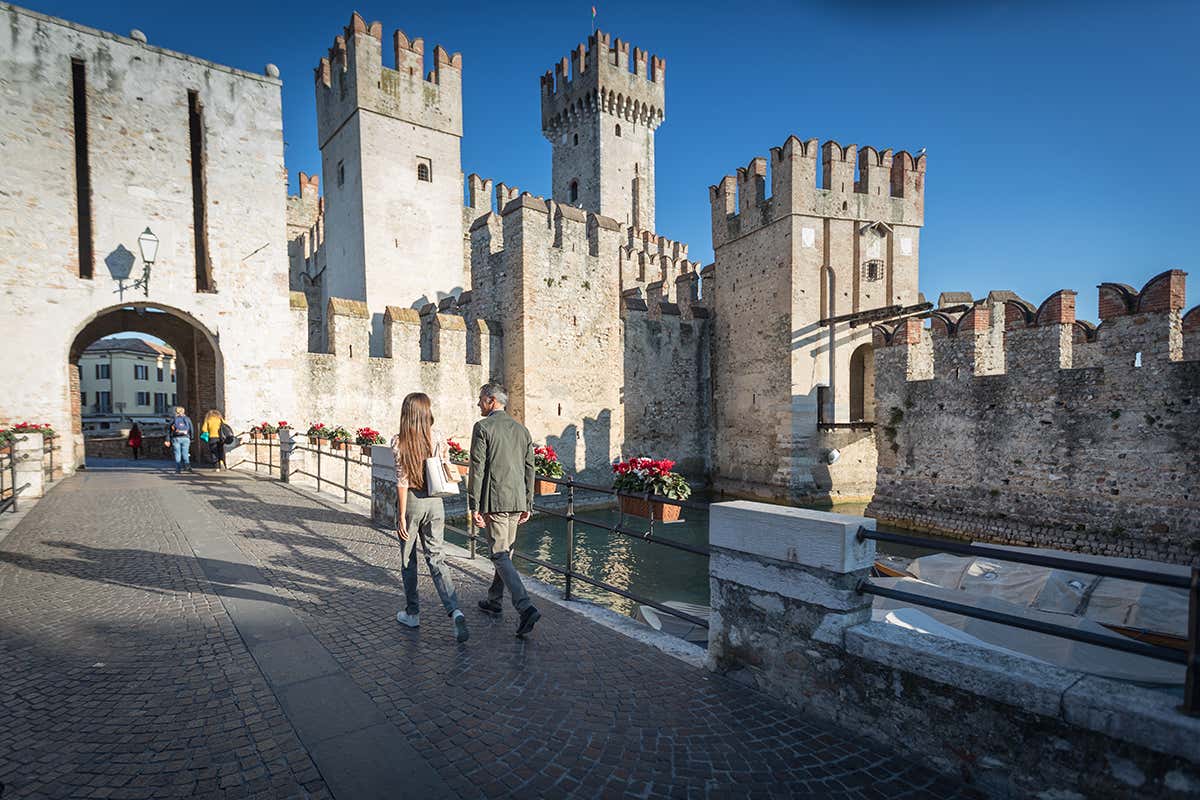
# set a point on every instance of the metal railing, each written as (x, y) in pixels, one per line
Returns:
(48, 458)
(321, 477)
(1189, 658)
(8, 478)
(569, 572)
(336, 455)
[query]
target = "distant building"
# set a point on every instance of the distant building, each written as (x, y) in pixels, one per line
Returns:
(126, 380)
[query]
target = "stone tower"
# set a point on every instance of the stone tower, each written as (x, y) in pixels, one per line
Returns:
(838, 234)
(599, 110)
(390, 154)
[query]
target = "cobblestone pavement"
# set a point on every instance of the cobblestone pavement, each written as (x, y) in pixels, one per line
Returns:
(125, 676)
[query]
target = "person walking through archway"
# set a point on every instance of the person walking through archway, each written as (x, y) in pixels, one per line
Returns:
(180, 432)
(135, 440)
(212, 433)
(421, 516)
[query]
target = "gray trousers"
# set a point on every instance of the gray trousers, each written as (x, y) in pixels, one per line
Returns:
(502, 535)
(425, 519)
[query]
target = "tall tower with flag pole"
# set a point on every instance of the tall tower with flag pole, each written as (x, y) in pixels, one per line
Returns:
(600, 108)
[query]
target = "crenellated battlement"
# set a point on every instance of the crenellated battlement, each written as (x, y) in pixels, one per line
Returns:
(429, 336)
(603, 77)
(647, 257)
(1007, 335)
(852, 183)
(1035, 427)
(352, 76)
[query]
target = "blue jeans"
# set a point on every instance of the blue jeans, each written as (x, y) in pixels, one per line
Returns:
(181, 446)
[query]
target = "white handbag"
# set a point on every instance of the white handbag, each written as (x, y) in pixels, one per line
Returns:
(438, 480)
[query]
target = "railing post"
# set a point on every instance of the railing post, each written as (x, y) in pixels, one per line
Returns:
(471, 530)
(255, 452)
(318, 466)
(346, 475)
(570, 536)
(1191, 686)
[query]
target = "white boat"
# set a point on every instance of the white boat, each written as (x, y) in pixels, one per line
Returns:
(1105, 606)
(676, 626)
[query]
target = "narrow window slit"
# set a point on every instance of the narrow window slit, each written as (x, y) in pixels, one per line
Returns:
(83, 181)
(199, 191)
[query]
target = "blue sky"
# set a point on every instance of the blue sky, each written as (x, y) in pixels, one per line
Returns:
(1060, 135)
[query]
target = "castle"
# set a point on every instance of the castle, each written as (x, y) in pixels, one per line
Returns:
(758, 372)
(726, 383)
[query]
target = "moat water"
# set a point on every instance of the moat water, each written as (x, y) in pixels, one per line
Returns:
(644, 568)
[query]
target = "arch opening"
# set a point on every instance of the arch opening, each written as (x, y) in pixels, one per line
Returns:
(133, 363)
(862, 384)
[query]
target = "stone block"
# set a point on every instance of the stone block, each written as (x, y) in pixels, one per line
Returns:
(795, 535)
(27, 452)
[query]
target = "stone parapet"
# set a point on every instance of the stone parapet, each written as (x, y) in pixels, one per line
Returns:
(787, 619)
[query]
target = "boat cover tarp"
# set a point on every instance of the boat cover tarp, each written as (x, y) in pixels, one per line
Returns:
(1038, 646)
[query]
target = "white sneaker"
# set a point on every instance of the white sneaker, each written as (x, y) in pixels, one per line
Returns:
(404, 619)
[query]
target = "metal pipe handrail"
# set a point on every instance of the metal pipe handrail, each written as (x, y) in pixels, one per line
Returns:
(11, 500)
(1114, 642)
(570, 574)
(1022, 557)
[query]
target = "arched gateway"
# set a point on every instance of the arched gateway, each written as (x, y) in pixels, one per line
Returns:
(200, 383)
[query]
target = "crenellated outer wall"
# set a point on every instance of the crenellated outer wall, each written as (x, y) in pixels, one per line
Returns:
(439, 354)
(1066, 435)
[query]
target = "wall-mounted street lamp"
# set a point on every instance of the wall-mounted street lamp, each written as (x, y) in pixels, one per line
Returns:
(120, 263)
(148, 244)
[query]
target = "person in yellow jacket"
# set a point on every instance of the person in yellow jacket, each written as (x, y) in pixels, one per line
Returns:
(210, 432)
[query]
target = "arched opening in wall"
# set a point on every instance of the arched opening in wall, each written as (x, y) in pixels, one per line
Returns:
(618, 130)
(862, 384)
(573, 192)
(133, 363)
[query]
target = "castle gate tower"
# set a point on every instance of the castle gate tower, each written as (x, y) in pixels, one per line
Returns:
(390, 155)
(600, 111)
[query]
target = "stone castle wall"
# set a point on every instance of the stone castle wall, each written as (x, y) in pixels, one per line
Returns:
(1019, 424)
(140, 177)
(435, 353)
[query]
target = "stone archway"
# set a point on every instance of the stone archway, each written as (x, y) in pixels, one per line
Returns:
(197, 352)
(862, 384)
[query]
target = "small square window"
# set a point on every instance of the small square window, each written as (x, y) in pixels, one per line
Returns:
(873, 270)
(424, 169)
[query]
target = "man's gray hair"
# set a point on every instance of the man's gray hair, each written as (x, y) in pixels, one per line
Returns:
(496, 392)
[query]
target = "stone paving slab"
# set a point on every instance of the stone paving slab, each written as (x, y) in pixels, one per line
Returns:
(96, 574)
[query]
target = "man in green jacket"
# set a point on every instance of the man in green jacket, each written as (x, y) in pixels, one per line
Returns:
(500, 496)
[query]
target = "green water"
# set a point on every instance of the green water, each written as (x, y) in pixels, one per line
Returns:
(640, 567)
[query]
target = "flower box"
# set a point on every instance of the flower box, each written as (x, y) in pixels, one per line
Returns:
(655, 510)
(321, 441)
(545, 487)
(339, 444)
(463, 469)
(366, 449)
(270, 436)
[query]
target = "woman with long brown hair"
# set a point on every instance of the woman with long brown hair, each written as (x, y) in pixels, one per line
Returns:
(419, 516)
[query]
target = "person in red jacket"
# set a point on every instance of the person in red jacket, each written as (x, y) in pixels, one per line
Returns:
(135, 440)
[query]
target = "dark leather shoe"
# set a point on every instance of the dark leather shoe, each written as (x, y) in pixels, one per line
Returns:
(488, 607)
(529, 618)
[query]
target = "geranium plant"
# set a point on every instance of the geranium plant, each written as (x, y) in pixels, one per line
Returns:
(32, 427)
(641, 475)
(317, 430)
(283, 425)
(339, 434)
(546, 463)
(367, 436)
(457, 454)
(267, 428)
